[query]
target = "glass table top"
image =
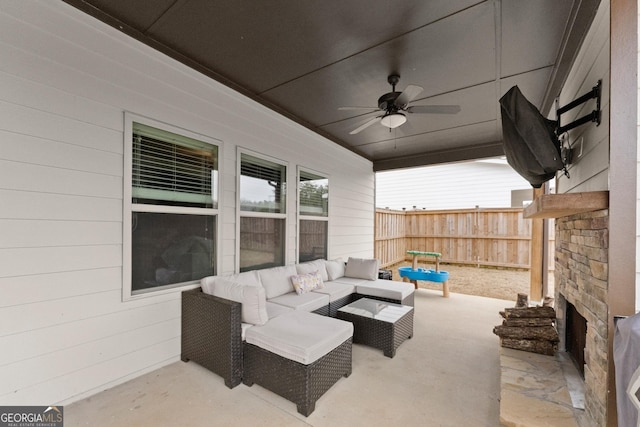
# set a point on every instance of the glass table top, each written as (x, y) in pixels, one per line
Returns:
(375, 309)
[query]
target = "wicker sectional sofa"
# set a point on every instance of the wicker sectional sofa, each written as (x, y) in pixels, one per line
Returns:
(276, 327)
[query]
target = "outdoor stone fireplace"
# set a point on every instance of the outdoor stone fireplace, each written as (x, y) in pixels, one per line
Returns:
(581, 280)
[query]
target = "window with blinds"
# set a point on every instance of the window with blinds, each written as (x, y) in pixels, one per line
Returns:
(313, 208)
(312, 240)
(170, 169)
(314, 194)
(171, 218)
(263, 195)
(262, 185)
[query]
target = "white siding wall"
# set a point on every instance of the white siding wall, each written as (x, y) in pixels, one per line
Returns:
(589, 171)
(451, 186)
(65, 82)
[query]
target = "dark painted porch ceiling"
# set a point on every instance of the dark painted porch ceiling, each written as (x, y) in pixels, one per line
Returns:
(306, 58)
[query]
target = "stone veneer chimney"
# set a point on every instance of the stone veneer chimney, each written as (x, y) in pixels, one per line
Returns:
(581, 278)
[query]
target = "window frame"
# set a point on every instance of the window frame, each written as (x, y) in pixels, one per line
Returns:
(256, 214)
(303, 217)
(128, 294)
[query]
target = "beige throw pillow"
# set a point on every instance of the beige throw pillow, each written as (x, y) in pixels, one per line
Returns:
(307, 282)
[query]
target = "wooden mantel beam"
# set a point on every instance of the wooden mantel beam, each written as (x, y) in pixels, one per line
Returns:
(559, 205)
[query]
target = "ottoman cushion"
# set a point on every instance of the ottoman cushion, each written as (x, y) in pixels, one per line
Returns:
(300, 336)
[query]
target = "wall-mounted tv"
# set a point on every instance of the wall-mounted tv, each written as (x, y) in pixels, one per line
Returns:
(529, 139)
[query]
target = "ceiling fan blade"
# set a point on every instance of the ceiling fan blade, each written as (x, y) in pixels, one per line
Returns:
(434, 109)
(407, 96)
(365, 125)
(357, 108)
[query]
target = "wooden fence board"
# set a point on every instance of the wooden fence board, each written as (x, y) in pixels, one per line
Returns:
(483, 237)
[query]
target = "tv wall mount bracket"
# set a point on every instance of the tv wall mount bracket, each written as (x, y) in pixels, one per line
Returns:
(594, 116)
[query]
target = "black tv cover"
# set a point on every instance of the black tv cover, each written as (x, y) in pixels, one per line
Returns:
(529, 139)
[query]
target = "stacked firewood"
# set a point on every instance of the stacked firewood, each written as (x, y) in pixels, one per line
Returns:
(529, 329)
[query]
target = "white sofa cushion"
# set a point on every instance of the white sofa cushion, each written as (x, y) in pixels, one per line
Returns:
(350, 280)
(275, 310)
(386, 289)
(311, 266)
(277, 280)
(207, 283)
(335, 268)
(253, 299)
(247, 278)
(307, 282)
(243, 330)
(336, 290)
(306, 302)
(361, 268)
(300, 336)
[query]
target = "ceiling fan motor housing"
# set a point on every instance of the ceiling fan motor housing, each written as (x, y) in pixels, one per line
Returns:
(387, 101)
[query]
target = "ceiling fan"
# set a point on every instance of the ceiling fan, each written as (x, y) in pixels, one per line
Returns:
(395, 105)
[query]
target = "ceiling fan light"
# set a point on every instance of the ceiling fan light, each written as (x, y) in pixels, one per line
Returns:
(393, 120)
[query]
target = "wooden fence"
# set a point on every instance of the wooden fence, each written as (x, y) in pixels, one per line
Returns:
(480, 237)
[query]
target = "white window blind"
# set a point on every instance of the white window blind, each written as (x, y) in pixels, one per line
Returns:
(314, 194)
(172, 169)
(262, 185)
(262, 169)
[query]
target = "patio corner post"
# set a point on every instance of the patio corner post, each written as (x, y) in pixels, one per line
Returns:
(623, 173)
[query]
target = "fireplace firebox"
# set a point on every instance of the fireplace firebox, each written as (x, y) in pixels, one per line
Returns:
(576, 337)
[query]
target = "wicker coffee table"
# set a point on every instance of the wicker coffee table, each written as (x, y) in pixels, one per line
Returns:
(379, 324)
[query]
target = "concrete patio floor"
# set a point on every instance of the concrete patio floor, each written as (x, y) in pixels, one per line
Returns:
(448, 374)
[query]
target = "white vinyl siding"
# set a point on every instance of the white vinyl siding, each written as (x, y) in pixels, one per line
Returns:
(66, 82)
(589, 170)
(463, 185)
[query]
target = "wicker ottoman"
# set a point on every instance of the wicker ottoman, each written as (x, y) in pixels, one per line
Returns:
(299, 356)
(379, 324)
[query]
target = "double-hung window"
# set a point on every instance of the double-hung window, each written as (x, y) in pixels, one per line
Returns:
(263, 190)
(313, 211)
(170, 207)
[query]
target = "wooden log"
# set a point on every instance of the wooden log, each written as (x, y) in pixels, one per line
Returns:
(532, 346)
(522, 300)
(529, 312)
(528, 321)
(527, 333)
(547, 302)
